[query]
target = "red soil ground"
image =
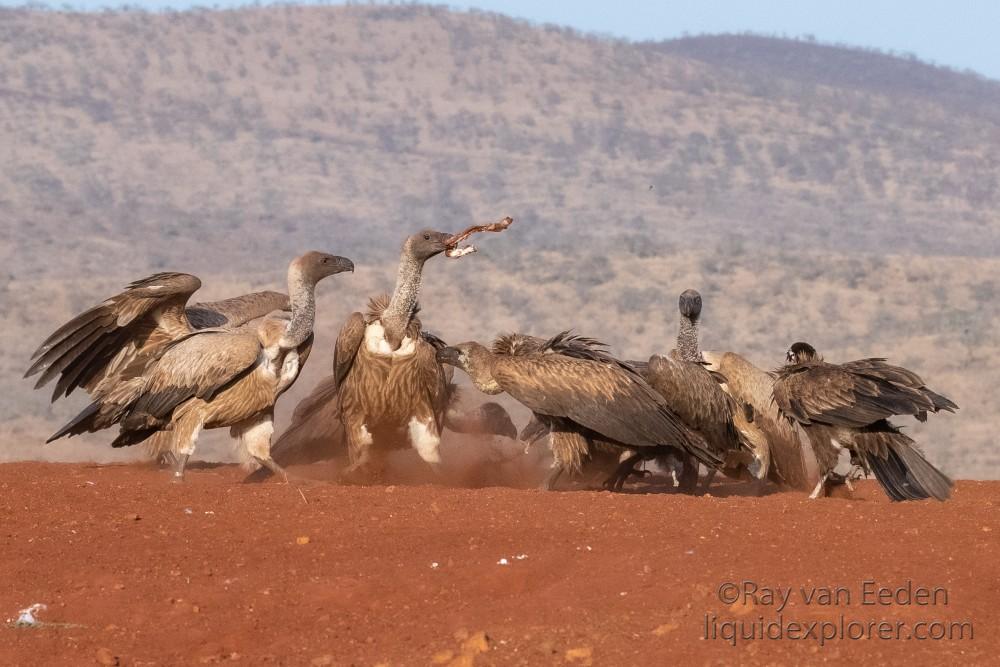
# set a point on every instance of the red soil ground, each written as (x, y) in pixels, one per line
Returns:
(136, 571)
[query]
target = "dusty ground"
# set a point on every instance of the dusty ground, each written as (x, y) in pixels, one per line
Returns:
(140, 571)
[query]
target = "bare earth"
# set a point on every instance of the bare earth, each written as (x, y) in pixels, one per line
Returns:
(139, 571)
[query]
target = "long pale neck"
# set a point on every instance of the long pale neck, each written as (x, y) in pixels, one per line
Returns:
(303, 299)
(396, 317)
(687, 340)
(482, 374)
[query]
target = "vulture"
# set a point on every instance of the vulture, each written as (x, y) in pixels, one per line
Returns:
(793, 459)
(387, 388)
(151, 371)
(847, 406)
(695, 396)
(582, 396)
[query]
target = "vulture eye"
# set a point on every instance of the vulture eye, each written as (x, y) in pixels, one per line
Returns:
(427, 237)
(326, 260)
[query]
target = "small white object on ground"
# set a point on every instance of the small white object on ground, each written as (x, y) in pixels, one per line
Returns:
(27, 616)
(503, 561)
(435, 565)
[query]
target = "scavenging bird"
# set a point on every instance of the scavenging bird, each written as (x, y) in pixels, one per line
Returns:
(794, 461)
(694, 395)
(387, 388)
(848, 406)
(582, 402)
(150, 371)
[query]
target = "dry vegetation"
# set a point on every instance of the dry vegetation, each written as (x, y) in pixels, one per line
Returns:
(844, 197)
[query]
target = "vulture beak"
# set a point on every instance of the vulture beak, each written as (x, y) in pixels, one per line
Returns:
(342, 264)
(449, 355)
(790, 357)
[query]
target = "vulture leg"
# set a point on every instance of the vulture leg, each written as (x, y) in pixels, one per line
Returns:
(255, 436)
(689, 475)
(186, 430)
(180, 461)
(359, 452)
(708, 479)
(820, 489)
(555, 470)
(426, 439)
(624, 470)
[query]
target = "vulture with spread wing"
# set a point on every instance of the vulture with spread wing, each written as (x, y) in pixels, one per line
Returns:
(151, 370)
(582, 396)
(848, 406)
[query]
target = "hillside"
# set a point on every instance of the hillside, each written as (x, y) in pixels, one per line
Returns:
(810, 192)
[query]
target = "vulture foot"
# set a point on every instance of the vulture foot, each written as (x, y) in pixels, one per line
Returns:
(549, 483)
(180, 462)
(820, 489)
(624, 470)
(270, 464)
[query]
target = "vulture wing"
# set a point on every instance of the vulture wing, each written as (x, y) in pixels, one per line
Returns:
(902, 377)
(235, 312)
(199, 366)
(95, 348)
(602, 397)
(696, 397)
(840, 396)
(348, 343)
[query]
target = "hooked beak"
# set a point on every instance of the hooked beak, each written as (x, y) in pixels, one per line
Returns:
(790, 357)
(342, 264)
(448, 355)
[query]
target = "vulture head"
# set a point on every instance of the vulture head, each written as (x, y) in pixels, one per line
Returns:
(314, 266)
(425, 244)
(800, 353)
(476, 360)
(690, 304)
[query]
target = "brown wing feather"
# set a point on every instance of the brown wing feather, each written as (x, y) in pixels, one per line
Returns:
(695, 396)
(346, 348)
(602, 397)
(878, 367)
(197, 367)
(91, 350)
(237, 311)
(830, 394)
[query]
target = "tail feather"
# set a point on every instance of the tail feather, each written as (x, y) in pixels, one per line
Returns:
(905, 474)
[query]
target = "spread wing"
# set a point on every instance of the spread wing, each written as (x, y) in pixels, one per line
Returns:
(347, 345)
(840, 396)
(235, 312)
(696, 397)
(197, 367)
(602, 397)
(94, 348)
(900, 376)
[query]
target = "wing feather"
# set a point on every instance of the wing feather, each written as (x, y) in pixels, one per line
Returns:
(347, 345)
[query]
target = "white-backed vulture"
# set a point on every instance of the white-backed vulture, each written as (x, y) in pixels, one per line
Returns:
(387, 388)
(848, 406)
(793, 460)
(581, 401)
(317, 431)
(696, 397)
(150, 371)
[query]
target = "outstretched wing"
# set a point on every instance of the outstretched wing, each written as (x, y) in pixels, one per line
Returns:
(602, 397)
(830, 394)
(903, 377)
(93, 349)
(235, 312)
(347, 345)
(199, 366)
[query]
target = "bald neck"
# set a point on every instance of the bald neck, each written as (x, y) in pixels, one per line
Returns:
(687, 340)
(302, 294)
(397, 315)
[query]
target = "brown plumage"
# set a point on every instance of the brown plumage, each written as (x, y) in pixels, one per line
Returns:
(583, 399)
(848, 405)
(164, 376)
(793, 460)
(119, 336)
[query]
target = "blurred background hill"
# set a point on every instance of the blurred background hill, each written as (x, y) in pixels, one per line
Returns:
(841, 196)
